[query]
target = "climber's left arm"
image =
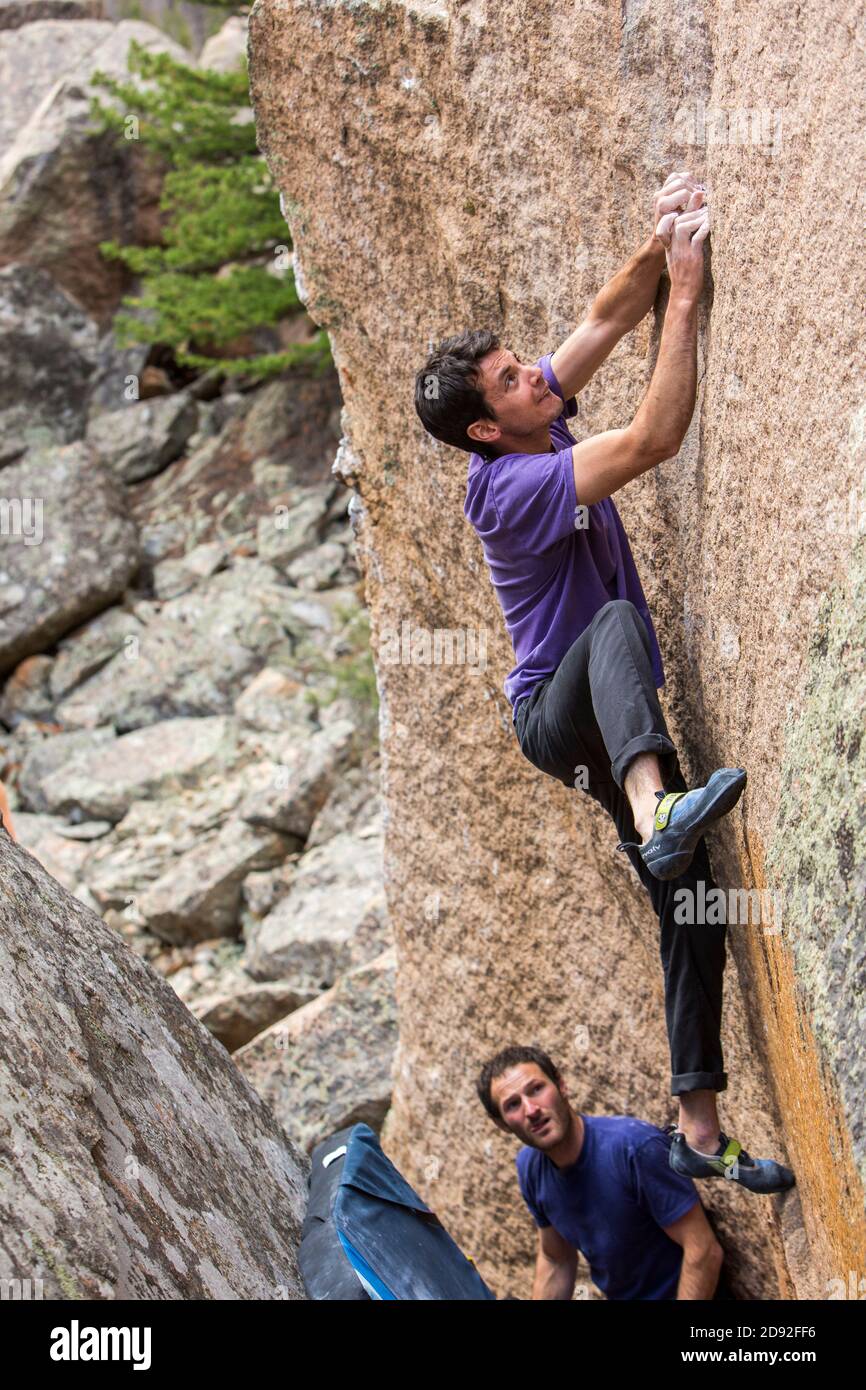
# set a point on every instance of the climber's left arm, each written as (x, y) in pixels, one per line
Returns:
(626, 299)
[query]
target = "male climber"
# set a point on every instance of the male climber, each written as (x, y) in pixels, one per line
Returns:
(584, 689)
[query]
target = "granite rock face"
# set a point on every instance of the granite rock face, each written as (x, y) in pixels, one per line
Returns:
(331, 919)
(115, 1102)
(438, 171)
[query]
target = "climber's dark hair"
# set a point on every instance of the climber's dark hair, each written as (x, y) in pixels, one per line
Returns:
(502, 1062)
(447, 394)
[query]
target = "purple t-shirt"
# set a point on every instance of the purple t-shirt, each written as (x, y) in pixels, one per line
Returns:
(613, 1203)
(551, 578)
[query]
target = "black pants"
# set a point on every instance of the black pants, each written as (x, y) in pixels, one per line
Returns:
(584, 725)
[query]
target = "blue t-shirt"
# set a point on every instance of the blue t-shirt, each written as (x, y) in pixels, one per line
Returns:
(551, 574)
(612, 1203)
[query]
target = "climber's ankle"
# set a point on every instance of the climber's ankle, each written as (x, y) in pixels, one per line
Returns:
(699, 1120)
(643, 779)
(704, 1141)
(644, 824)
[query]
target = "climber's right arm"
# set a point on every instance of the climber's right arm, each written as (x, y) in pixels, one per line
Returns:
(608, 461)
(555, 1266)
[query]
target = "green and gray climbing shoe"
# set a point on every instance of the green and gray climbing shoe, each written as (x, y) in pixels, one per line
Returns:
(681, 819)
(730, 1161)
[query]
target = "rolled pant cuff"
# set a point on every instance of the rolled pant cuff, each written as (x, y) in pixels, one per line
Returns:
(699, 1081)
(644, 743)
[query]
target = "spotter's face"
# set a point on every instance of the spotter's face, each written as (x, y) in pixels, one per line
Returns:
(532, 1106)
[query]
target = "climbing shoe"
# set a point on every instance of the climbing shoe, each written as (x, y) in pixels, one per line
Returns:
(681, 819)
(729, 1161)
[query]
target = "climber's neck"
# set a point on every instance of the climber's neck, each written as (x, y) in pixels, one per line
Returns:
(538, 442)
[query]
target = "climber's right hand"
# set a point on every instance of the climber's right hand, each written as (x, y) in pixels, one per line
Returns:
(685, 255)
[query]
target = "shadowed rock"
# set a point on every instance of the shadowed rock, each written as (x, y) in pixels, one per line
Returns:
(69, 553)
(63, 188)
(241, 1009)
(48, 350)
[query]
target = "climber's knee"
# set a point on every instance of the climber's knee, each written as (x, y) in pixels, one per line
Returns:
(615, 606)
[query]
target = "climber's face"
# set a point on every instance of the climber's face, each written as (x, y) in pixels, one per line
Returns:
(532, 1106)
(523, 401)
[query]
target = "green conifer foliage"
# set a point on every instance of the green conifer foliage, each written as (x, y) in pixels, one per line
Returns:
(224, 267)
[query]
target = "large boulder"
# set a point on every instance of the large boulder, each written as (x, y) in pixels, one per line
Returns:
(228, 1001)
(329, 1064)
(102, 780)
(331, 919)
(48, 349)
(64, 188)
(295, 527)
(289, 795)
(45, 758)
(200, 894)
(86, 650)
(138, 1162)
(144, 437)
(273, 702)
(71, 551)
(236, 1015)
(34, 59)
(319, 567)
(353, 805)
(226, 49)
(503, 191)
(155, 834)
(171, 578)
